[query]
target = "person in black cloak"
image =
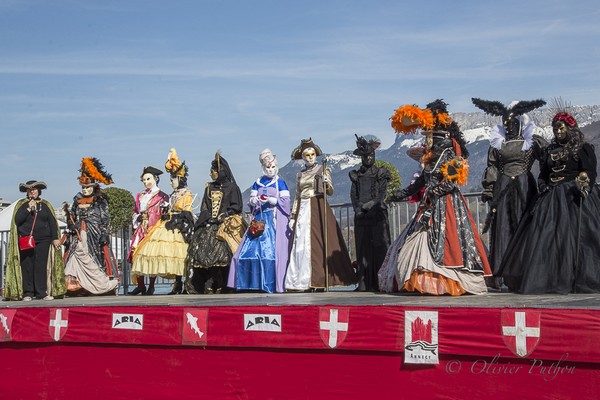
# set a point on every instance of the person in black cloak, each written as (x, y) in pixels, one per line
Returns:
(508, 184)
(217, 232)
(371, 229)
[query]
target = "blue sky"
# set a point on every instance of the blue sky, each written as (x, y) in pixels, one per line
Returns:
(125, 81)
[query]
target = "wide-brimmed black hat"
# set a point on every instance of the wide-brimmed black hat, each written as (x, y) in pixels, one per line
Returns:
(23, 187)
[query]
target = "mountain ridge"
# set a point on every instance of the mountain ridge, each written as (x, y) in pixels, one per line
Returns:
(476, 128)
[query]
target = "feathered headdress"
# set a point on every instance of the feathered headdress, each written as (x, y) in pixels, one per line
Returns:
(174, 166)
(366, 144)
(409, 118)
(435, 118)
(500, 110)
(563, 110)
(92, 171)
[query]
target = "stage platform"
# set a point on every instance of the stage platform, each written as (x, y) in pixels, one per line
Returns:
(344, 345)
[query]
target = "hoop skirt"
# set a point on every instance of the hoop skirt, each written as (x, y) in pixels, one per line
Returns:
(542, 255)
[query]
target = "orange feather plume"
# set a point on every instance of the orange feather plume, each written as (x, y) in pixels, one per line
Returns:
(409, 118)
(92, 171)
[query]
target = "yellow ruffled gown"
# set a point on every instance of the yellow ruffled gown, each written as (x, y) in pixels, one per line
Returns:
(163, 251)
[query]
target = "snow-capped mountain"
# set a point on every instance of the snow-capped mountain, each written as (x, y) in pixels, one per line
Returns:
(476, 129)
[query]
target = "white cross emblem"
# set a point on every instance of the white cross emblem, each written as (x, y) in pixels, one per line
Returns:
(333, 326)
(58, 323)
(521, 332)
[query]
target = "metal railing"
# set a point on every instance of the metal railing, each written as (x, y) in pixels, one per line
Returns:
(399, 215)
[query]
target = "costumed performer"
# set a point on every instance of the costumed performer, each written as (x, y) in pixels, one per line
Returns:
(261, 260)
(38, 271)
(217, 232)
(90, 266)
(164, 248)
(440, 250)
(147, 211)
(555, 248)
(310, 214)
(371, 228)
(508, 184)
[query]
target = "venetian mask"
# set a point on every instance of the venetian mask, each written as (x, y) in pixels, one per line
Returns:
(512, 126)
(560, 131)
(309, 156)
(149, 180)
(214, 174)
(368, 159)
(87, 190)
(174, 182)
(270, 169)
(429, 140)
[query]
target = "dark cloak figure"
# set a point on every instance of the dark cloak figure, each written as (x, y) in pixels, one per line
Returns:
(371, 229)
(209, 255)
(508, 184)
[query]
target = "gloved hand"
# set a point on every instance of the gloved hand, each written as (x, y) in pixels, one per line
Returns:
(222, 217)
(104, 239)
(212, 221)
(253, 201)
(398, 195)
(358, 212)
(272, 200)
(368, 205)
(291, 223)
(486, 196)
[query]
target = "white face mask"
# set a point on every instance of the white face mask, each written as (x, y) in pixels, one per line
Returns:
(174, 182)
(270, 169)
(148, 180)
(309, 156)
(87, 190)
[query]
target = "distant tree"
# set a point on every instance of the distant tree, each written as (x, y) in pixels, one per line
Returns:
(120, 207)
(396, 181)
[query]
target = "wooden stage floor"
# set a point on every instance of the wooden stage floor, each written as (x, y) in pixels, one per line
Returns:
(490, 300)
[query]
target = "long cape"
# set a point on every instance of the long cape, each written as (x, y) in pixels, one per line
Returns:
(13, 284)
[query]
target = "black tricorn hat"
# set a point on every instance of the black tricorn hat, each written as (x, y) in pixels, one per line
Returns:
(23, 187)
(151, 170)
(305, 144)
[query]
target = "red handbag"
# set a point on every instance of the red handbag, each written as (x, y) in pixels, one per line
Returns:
(28, 242)
(257, 226)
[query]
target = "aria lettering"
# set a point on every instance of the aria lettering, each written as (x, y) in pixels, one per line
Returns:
(126, 319)
(263, 320)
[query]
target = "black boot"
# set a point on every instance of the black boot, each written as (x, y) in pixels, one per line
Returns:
(150, 290)
(177, 288)
(137, 290)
